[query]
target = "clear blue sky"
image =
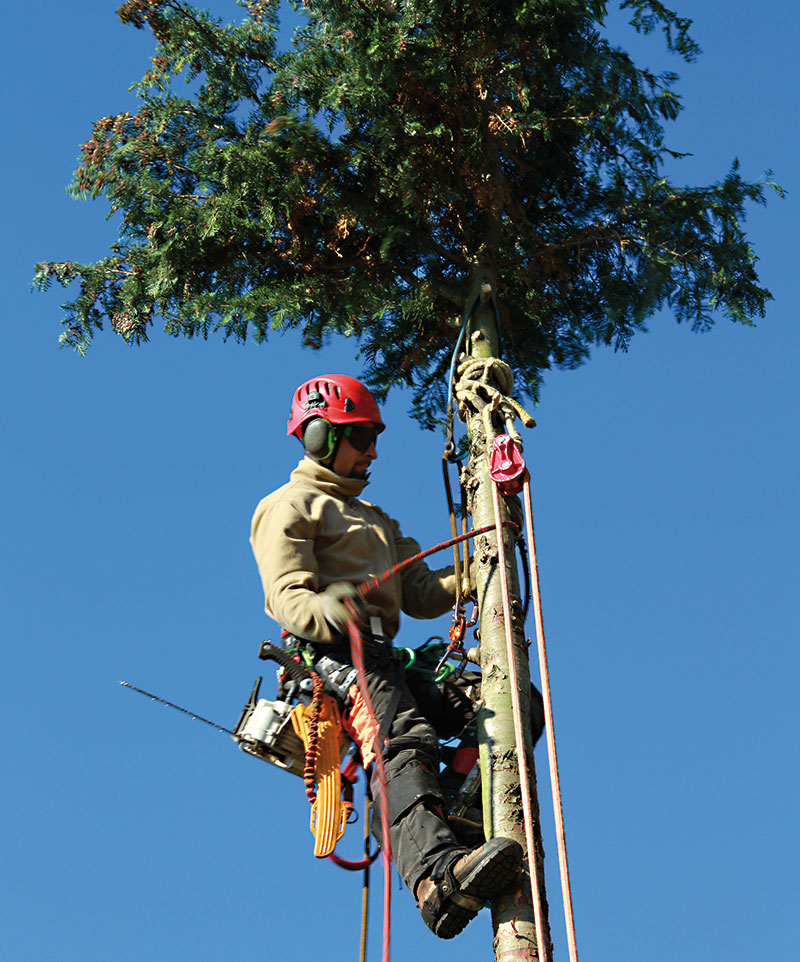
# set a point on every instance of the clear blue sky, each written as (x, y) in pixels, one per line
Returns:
(665, 492)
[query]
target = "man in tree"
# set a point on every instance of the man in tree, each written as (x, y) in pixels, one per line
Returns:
(367, 182)
(314, 540)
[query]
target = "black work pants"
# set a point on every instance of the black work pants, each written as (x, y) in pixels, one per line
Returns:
(422, 713)
(418, 832)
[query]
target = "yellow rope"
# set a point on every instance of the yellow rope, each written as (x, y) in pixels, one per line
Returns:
(365, 888)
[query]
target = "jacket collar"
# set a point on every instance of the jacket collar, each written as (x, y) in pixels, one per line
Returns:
(328, 481)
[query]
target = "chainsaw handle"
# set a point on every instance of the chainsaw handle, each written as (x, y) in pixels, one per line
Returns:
(296, 671)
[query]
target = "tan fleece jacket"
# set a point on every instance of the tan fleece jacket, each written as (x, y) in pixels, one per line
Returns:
(315, 531)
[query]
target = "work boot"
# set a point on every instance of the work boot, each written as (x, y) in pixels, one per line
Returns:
(461, 884)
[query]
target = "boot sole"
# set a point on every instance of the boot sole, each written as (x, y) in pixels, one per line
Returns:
(479, 881)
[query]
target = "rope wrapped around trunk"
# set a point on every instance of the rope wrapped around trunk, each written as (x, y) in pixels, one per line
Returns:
(485, 384)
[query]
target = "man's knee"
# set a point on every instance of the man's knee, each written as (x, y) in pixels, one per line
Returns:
(411, 780)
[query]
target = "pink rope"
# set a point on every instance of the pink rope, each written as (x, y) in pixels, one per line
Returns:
(555, 784)
(357, 652)
(358, 661)
(519, 735)
(366, 586)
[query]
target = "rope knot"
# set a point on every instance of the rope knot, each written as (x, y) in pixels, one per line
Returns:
(485, 385)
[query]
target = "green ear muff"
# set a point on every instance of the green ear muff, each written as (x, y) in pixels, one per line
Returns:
(319, 439)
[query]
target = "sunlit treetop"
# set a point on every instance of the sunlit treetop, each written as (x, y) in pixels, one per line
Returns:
(362, 180)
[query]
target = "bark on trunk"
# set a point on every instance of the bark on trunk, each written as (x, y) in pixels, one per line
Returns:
(512, 912)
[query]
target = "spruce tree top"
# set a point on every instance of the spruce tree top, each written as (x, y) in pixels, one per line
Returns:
(360, 182)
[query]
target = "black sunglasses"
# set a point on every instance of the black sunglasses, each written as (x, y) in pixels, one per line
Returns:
(361, 436)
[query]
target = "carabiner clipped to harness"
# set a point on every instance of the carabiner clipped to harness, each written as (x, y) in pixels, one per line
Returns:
(457, 633)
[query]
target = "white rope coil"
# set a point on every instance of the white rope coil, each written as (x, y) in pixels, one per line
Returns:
(486, 384)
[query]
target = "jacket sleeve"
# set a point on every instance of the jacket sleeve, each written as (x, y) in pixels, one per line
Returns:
(282, 538)
(426, 593)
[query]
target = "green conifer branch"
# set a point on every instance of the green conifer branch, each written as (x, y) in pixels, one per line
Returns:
(350, 183)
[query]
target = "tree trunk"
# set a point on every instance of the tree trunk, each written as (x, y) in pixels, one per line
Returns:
(512, 912)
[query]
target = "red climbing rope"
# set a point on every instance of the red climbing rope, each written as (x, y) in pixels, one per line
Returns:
(555, 783)
(349, 774)
(359, 866)
(510, 476)
(357, 652)
(519, 736)
(366, 586)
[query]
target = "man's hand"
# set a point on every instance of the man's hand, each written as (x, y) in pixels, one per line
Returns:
(338, 602)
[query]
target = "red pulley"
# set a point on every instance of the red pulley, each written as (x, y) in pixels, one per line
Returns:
(507, 466)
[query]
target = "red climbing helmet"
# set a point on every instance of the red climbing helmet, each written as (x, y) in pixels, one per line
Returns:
(336, 398)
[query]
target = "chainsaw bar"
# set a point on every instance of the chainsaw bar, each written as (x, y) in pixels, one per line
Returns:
(169, 704)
